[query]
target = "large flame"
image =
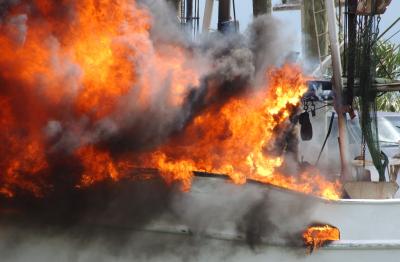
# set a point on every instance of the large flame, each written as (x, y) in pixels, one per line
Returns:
(236, 139)
(98, 62)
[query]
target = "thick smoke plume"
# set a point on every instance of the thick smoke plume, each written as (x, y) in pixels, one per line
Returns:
(92, 89)
(116, 76)
(113, 229)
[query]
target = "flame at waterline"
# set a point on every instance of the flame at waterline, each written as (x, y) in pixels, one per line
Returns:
(316, 236)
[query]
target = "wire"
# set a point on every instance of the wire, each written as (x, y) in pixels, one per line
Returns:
(234, 14)
(318, 108)
(398, 31)
(387, 29)
(326, 138)
(381, 94)
(306, 107)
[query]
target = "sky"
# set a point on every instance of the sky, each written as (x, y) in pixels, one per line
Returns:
(292, 19)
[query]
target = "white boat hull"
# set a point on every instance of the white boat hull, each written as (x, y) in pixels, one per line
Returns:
(369, 229)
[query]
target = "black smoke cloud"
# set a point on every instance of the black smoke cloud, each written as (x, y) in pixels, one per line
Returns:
(67, 218)
(229, 65)
(191, 226)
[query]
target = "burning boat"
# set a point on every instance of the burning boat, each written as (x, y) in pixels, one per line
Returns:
(98, 102)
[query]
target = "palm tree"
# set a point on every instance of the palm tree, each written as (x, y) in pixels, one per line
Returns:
(388, 66)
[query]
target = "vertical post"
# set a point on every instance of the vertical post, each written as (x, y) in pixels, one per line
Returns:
(207, 15)
(189, 11)
(261, 7)
(351, 41)
(338, 87)
(189, 15)
(224, 13)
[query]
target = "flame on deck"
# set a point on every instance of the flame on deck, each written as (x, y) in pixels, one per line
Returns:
(240, 140)
(68, 77)
(316, 236)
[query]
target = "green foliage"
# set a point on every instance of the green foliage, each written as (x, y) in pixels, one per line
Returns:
(388, 102)
(388, 66)
(388, 60)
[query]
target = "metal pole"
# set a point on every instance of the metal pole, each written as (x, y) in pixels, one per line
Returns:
(234, 16)
(207, 15)
(350, 62)
(189, 11)
(198, 16)
(338, 87)
(224, 13)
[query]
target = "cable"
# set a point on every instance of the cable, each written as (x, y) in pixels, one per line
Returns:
(398, 31)
(387, 29)
(234, 14)
(326, 138)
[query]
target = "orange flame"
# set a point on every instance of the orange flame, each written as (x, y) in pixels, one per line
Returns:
(234, 139)
(105, 65)
(98, 166)
(103, 50)
(23, 155)
(315, 236)
(84, 58)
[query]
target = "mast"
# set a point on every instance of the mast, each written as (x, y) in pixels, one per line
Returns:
(189, 13)
(224, 14)
(207, 15)
(338, 87)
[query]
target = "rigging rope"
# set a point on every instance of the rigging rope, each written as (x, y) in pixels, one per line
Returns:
(326, 138)
(362, 38)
